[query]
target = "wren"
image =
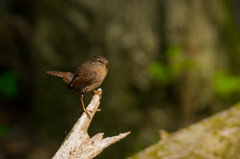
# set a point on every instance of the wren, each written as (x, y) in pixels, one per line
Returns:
(86, 78)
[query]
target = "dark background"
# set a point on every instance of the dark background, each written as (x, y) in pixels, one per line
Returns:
(175, 63)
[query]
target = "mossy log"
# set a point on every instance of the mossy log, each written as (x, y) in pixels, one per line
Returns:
(217, 137)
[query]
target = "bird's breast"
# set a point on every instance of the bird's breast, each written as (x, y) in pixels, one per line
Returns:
(101, 74)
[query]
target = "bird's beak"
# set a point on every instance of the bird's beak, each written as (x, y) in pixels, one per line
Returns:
(109, 64)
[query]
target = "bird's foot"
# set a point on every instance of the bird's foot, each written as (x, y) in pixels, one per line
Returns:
(98, 92)
(86, 112)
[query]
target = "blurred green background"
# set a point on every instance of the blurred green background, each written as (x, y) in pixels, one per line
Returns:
(175, 63)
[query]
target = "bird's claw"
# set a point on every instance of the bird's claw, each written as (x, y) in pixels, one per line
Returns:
(99, 93)
(86, 112)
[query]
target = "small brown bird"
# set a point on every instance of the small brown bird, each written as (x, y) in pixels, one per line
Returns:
(86, 78)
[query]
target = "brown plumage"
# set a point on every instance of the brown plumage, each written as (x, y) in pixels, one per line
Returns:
(86, 78)
(66, 76)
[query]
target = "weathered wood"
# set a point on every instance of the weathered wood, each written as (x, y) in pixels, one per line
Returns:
(78, 144)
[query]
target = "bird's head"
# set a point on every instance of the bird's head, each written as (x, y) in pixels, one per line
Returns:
(100, 61)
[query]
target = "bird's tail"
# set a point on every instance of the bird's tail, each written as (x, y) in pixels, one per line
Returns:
(66, 76)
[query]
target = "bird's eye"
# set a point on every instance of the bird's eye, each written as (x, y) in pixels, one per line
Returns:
(100, 61)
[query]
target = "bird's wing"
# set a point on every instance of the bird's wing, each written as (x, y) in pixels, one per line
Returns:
(82, 79)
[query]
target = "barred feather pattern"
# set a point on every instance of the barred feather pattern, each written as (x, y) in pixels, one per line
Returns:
(66, 76)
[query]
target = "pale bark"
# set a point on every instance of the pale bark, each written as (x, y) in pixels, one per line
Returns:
(78, 144)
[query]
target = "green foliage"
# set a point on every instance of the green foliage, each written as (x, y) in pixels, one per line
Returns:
(8, 84)
(160, 72)
(178, 62)
(225, 84)
(3, 130)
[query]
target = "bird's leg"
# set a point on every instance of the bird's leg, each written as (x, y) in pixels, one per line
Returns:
(86, 111)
